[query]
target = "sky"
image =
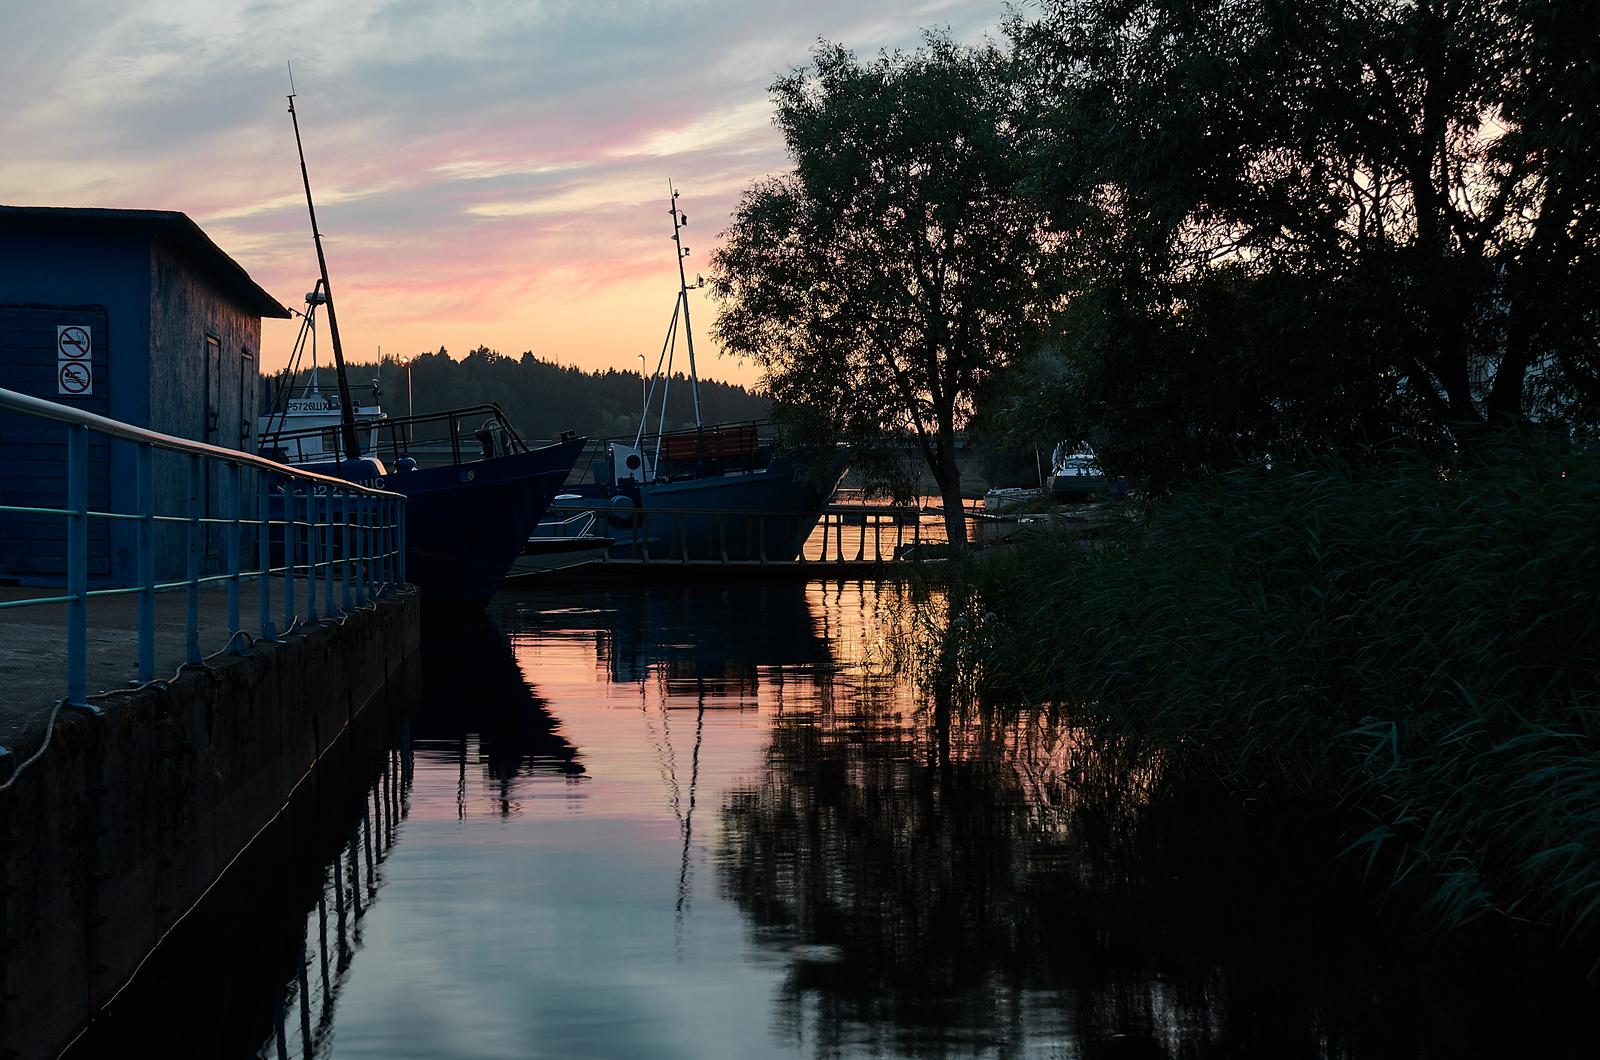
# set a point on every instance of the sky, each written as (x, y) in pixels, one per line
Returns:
(486, 173)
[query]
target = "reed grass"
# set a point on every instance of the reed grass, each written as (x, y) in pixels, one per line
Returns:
(1417, 647)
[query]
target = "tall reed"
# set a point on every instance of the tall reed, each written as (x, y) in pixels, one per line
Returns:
(1418, 646)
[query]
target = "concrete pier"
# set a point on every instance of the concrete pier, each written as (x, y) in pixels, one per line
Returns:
(127, 818)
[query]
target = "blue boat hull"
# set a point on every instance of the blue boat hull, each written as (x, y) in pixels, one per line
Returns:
(466, 523)
(781, 489)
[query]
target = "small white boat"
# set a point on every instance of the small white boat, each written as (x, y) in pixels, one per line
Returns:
(1076, 475)
(560, 543)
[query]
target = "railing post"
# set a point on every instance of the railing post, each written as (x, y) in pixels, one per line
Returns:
(327, 557)
(311, 553)
(288, 555)
(369, 579)
(378, 519)
(344, 523)
(386, 506)
(77, 566)
(400, 540)
(763, 532)
(191, 622)
(233, 561)
(145, 483)
(360, 554)
(264, 546)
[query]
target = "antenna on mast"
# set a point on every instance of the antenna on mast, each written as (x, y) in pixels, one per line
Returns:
(347, 418)
(678, 221)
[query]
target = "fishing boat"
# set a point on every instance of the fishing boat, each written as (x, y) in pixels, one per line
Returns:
(475, 491)
(716, 491)
(468, 513)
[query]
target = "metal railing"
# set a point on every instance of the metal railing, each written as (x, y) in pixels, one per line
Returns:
(324, 527)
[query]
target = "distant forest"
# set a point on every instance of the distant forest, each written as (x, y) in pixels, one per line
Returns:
(541, 398)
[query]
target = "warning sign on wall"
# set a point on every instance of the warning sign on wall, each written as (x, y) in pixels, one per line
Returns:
(74, 376)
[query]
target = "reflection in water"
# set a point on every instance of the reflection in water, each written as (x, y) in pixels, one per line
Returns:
(475, 688)
(720, 829)
(304, 1008)
(975, 890)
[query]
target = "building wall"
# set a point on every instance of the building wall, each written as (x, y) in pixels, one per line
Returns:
(159, 312)
(201, 393)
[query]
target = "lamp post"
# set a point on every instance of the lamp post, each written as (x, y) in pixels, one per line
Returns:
(410, 408)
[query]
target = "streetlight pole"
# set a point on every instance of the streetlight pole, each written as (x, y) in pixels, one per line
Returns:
(410, 407)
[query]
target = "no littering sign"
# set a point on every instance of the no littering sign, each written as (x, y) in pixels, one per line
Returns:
(74, 376)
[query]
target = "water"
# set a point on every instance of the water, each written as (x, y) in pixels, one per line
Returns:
(714, 822)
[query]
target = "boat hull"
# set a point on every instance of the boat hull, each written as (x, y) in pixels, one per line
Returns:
(466, 524)
(759, 515)
(541, 555)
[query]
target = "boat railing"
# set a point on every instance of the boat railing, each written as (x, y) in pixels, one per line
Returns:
(323, 528)
(650, 441)
(581, 525)
(484, 429)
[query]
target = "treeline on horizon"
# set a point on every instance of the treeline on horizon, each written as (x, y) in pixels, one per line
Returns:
(542, 398)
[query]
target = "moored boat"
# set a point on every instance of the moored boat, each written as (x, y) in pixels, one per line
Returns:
(1076, 476)
(468, 512)
(561, 542)
(465, 521)
(715, 491)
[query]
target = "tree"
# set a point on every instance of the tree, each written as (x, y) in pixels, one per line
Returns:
(881, 282)
(1321, 222)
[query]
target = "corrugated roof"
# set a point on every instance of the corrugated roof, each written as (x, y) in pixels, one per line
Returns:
(172, 228)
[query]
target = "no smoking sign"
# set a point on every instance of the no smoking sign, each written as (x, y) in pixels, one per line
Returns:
(74, 376)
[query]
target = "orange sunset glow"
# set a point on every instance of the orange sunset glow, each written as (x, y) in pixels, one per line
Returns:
(484, 174)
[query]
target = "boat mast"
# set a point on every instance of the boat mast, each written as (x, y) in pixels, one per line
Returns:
(678, 221)
(347, 418)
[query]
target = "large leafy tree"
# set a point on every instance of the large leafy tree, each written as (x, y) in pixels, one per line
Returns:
(882, 281)
(1321, 222)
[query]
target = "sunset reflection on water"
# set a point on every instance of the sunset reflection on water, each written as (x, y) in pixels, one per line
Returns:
(725, 821)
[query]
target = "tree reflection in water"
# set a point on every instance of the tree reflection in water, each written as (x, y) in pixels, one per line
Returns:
(987, 887)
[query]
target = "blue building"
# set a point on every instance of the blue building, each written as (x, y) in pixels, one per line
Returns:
(132, 314)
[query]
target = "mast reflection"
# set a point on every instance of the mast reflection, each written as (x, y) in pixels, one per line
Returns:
(978, 888)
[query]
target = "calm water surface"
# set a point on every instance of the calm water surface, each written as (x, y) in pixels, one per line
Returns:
(712, 822)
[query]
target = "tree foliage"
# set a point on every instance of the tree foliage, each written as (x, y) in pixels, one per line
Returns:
(882, 281)
(1319, 222)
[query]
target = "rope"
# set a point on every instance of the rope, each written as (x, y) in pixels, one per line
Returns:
(50, 726)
